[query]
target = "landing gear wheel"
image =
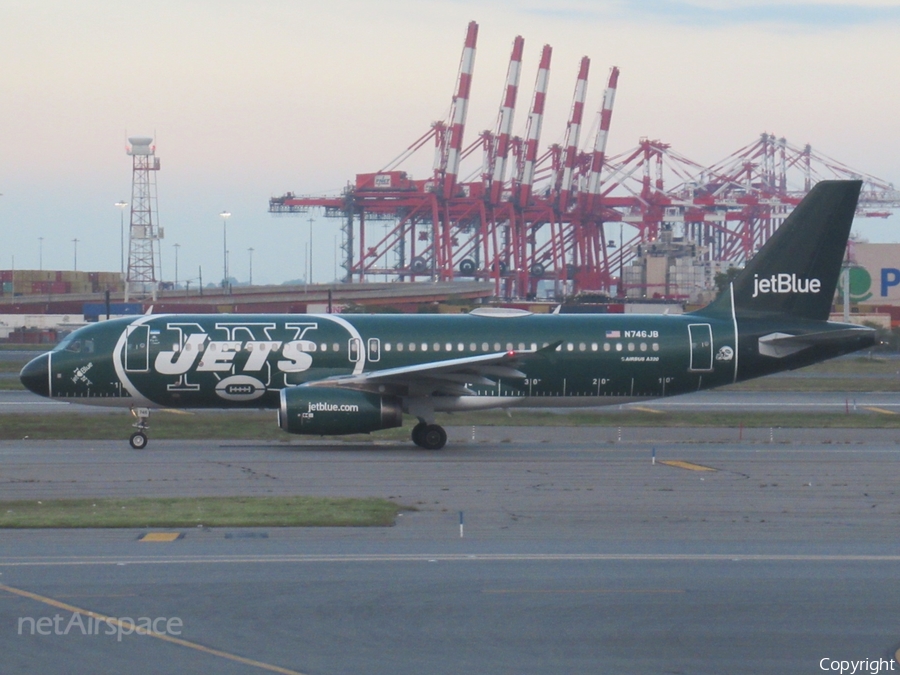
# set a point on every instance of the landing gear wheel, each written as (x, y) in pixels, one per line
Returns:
(433, 437)
(138, 439)
(417, 433)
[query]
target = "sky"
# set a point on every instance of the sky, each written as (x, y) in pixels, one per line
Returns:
(250, 99)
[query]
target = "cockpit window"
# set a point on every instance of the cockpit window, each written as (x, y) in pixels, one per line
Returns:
(76, 346)
(62, 345)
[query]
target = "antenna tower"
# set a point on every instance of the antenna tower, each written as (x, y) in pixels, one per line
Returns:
(144, 233)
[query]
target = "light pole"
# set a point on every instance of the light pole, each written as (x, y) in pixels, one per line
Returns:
(310, 251)
(121, 204)
(75, 265)
(41, 254)
(250, 250)
(176, 247)
(225, 215)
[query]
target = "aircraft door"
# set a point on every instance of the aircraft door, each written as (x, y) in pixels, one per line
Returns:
(701, 347)
(137, 349)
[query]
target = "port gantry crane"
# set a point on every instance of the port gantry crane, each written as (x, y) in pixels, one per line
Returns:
(576, 217)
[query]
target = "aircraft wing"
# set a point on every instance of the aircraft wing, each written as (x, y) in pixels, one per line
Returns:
(450, 377)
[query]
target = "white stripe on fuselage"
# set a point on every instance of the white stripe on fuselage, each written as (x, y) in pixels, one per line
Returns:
(137, 398)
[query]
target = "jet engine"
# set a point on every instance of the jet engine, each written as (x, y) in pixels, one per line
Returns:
(329, 410)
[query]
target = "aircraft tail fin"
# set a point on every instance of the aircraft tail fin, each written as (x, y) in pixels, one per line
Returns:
(796, 271)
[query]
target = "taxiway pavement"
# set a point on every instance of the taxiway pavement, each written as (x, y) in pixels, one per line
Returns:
(581, 554)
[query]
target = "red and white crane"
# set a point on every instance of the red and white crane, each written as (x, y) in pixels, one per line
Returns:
(573, 132)
(514, 232)
(598, 156)
(458, 111)
(499, 153)
(533, 128)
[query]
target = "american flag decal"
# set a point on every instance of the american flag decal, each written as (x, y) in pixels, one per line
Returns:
(613, 334)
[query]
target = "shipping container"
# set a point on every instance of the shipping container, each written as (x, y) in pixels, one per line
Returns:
(94, 310)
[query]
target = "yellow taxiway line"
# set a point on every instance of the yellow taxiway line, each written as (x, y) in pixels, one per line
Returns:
(142, 631)
(645, 409)
(879, 410)
(690, 466)
(162, 536)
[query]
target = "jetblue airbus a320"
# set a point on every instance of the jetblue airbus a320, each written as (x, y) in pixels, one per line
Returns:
(333, 374)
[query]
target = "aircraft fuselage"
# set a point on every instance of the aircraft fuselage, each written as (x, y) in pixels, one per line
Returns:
(222, 361)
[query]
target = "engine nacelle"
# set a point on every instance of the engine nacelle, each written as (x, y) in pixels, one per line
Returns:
(327, 410)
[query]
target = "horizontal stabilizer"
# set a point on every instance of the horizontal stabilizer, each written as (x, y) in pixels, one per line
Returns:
(779, 345)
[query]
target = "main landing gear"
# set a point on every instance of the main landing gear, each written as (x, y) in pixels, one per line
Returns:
(429, 436)
(138, 439)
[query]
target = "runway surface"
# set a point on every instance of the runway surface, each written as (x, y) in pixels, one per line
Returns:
(581, 554)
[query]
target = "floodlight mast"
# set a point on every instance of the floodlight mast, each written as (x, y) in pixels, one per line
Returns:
(144, 234)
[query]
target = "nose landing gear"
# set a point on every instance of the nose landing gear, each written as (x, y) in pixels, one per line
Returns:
(138, 439)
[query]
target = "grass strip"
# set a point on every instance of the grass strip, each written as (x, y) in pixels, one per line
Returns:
(260, 425)
(863, 419)
(194, 511)
(116, 425)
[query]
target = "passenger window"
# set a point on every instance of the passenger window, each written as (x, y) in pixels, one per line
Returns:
(412, 346)
(606, 346)
(656, 346)
(643, 346)
(354, 349)
(485, 346)
(582, 347)
(387, 346)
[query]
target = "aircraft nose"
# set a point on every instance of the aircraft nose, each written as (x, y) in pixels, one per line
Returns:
(36, 375)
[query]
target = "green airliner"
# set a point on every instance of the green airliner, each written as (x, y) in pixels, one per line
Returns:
(333, 374)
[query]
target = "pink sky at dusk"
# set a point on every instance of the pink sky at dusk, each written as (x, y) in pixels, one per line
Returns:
(248, 100)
